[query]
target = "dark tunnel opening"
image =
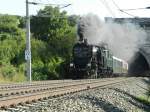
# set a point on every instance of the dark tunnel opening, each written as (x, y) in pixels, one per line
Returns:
(138, 66)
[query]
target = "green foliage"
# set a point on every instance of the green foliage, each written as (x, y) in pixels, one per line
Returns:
(21, 68)
(72, 20)
(52, 39)
(38, 49)
(61, 46)
(38, 70)
(144, 99)
(8, 24)
(12, 44)
(41, 71)
(53, 26)
(19, 77)
(53, 64)
(148, 91)
(11, 39)
(8, 71)
(22, 21)
(8, 50)
(57, 35)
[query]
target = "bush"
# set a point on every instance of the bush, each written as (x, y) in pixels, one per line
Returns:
(19, 77)
(8, 71)
(53, 65)
(21, 68)
(39, 70)
(51, 45)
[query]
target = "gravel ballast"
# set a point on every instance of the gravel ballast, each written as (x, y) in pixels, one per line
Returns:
(115, 98)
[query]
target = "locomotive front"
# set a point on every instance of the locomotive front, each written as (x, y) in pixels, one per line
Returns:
(80, 64)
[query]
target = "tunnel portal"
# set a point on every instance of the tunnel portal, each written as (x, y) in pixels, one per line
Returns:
(139, 65)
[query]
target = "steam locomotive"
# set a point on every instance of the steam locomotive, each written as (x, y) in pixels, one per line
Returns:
(93, 61)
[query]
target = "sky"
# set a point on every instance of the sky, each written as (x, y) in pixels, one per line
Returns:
(102, 8)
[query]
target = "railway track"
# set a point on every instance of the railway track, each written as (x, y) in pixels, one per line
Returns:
(35, 83)
(11, 90)
(27, 93)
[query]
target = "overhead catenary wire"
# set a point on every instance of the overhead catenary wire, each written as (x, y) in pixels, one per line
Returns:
(104, 2)
(139, 20)
(61, 6)
(122, 10)
(136, 9)
(48, 16)
(46, 4)
(65, 6)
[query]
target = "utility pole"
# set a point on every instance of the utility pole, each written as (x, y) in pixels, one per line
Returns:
(28, 44)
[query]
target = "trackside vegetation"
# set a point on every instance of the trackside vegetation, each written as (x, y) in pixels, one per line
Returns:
(52, 39)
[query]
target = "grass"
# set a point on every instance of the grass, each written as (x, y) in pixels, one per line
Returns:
(144, 99)
(18, 77)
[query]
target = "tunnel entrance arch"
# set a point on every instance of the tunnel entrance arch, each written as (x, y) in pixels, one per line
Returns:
(139, 65)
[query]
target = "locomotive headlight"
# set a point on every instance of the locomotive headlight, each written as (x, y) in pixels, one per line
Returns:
(89, 64)
(71, 64)
(94, 49)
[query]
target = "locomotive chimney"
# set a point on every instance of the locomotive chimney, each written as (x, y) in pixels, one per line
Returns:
(80, 30)
(80, 33)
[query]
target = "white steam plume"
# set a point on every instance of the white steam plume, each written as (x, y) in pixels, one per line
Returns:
(124, 40)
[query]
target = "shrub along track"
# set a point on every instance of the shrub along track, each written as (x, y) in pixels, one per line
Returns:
(29, 93)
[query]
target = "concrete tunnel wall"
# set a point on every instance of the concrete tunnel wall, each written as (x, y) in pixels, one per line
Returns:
(146, 55)
(140, 64)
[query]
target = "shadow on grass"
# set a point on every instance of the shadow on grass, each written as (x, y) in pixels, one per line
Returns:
(135, 100)
(105, 105)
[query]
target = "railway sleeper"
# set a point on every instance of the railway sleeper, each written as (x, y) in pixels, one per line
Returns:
(45, 98)
(38, 90)
(28, 102)
(4, 107)
(12, 93)
(26, 92)
(34, 101)
(17, 93)
(13, 105)
(21, 103)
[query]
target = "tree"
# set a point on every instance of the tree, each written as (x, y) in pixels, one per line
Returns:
(11, 39)
(55, 25)
(12, 46)
(8, 24)
(58, 33)
(52, 39)
(72, 20)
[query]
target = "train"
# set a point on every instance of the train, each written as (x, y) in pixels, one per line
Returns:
(95, 61)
